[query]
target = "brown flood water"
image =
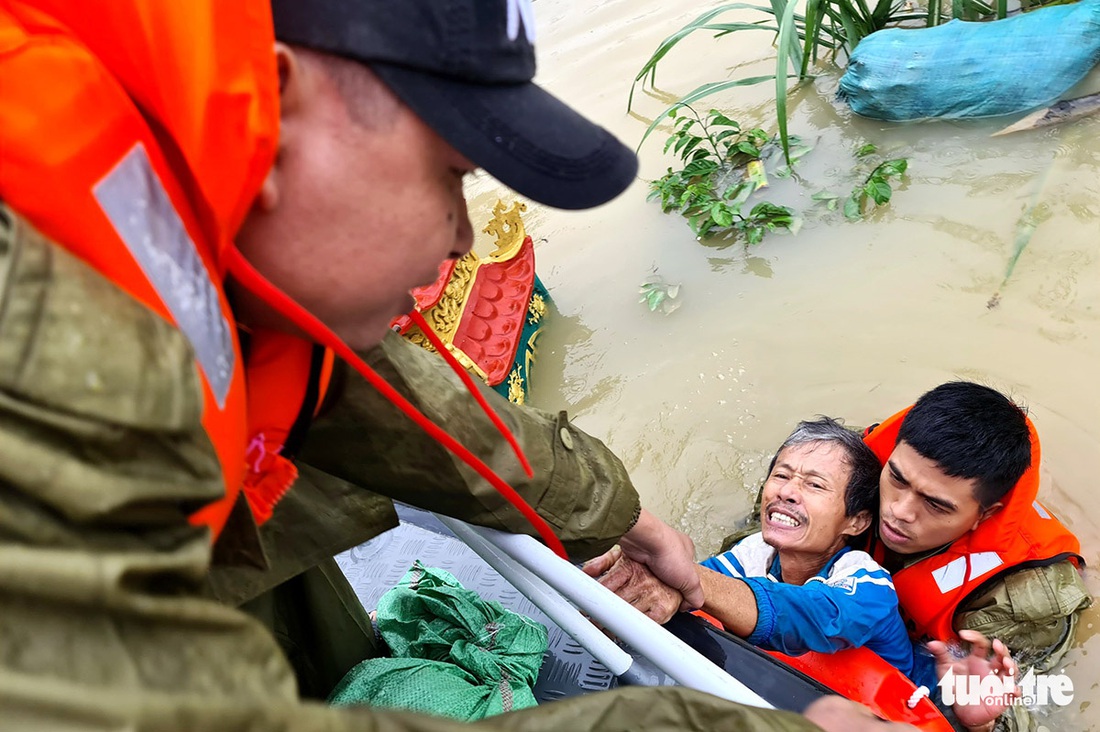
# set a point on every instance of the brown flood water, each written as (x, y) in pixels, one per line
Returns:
(849, 320)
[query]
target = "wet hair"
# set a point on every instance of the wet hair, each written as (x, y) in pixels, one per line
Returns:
(861, 493)
(972, 432)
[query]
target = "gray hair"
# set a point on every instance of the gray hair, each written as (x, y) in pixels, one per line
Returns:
(861, 493)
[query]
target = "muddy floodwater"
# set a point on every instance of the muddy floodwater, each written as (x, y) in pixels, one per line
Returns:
(853, 320)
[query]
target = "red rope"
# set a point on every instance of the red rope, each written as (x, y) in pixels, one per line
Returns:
(463, 374)
(249, 277)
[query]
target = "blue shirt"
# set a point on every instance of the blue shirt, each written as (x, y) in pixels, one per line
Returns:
(850, 603)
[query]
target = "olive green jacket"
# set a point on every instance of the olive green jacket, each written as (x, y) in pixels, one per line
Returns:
(579, 487)
(104, 624)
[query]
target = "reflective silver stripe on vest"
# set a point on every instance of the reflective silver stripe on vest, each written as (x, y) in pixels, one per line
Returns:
(952, 575)
(136, 203)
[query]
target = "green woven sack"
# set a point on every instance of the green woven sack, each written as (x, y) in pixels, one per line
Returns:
(454, 654)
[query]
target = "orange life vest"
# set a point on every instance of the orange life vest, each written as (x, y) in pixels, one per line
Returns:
(1021, 534)
(862, 675)
(137, 135)
(287, 378)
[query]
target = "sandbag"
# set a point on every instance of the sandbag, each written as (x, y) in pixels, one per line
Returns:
(454, 654)
(973, 69)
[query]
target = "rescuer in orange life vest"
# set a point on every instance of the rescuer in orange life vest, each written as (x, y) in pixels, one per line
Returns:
(969, 545)
(193, 220)
(962, 531)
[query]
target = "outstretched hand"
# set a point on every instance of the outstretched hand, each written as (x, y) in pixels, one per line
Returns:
(634, 583)
(667, 553)
(978, 663)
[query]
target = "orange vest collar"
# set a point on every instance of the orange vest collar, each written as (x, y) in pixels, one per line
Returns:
(1022, 532)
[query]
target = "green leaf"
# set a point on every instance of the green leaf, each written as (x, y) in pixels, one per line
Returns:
(717, 118)
(852, 210)
(725, 134)
(655, 297)
(692, 144)
(703, 22)
(866, 150)
(758, 137)
(697, 168)
(721, 214)
(824, 196)
(748, 148)
(812, 32)
(878, 191)
(787, 49)
(798, 151)
(737, 195)
(893, 168)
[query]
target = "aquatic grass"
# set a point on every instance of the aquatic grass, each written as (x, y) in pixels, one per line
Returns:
(826, 30)
(698, 93)
(827, 27)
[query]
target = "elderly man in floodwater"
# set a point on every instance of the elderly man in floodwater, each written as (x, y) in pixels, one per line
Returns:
(798, 585)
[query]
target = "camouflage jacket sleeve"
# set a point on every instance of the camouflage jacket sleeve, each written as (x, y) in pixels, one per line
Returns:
(1034, 611)
(102, 457)
(579, 486)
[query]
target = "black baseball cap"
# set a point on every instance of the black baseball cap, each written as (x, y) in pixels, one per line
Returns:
(465, 68)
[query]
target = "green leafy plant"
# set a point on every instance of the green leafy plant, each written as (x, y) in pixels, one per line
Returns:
(658, 294)
(766, 217)
(723, 166)
(874, 190)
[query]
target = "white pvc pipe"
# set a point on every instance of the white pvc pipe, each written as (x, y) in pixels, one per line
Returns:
(670, 654)
(557, 608)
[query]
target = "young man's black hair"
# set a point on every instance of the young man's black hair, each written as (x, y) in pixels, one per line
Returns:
(971, 431)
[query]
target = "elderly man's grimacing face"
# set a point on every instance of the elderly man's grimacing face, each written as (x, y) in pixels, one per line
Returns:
(921, 507)
(363, 204)
(802, 506)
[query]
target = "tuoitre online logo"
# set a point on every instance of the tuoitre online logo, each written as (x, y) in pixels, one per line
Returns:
(1035, 689)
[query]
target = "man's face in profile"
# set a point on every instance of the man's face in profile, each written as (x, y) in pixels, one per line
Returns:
(921, 507)
(359, 208)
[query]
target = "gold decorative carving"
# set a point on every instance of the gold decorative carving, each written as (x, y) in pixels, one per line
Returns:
(467, 362)
(536, 309)
(507, 226)
(515, 387)
(416, 336)
(445, 316)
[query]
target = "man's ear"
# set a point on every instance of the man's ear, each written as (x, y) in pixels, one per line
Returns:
(857, 524)
(292, 93)
(986, 513)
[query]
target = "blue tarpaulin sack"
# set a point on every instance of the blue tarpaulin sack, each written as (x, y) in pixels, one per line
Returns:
(966, 69)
